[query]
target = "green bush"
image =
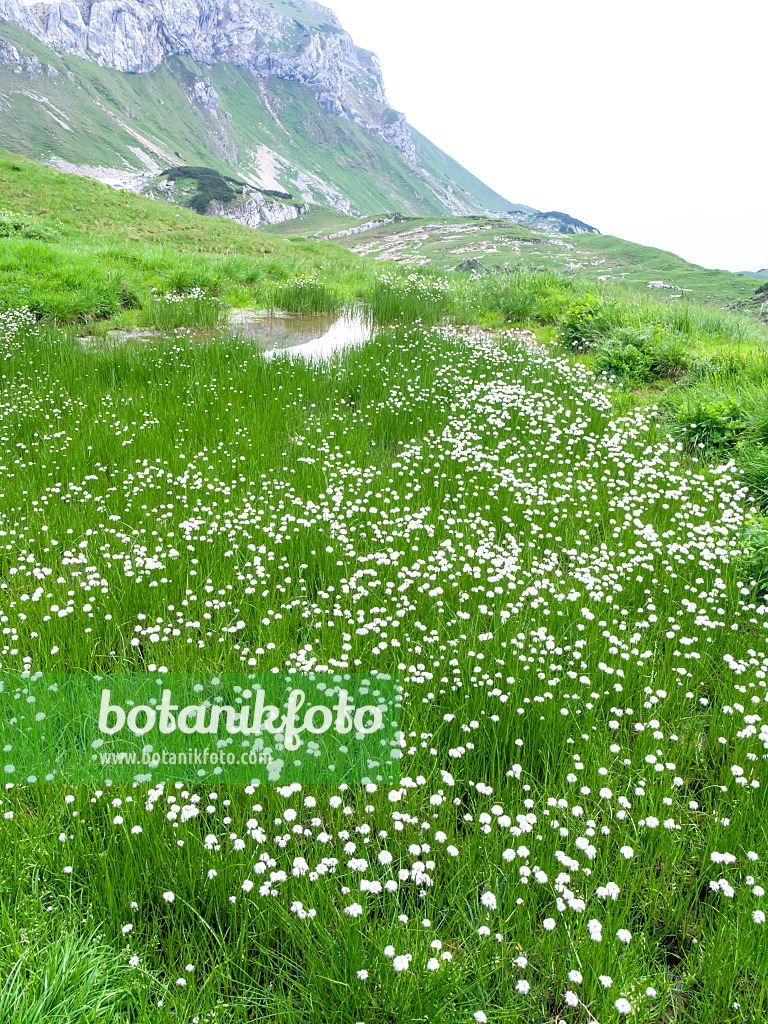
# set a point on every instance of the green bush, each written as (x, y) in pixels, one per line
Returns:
(642, 354)
(591, 319)
(717, 424)
(211, 186)
(621, 359)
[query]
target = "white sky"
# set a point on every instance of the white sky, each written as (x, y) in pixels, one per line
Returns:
(648, 120)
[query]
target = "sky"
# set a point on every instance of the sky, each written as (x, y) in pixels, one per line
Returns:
(647, 120)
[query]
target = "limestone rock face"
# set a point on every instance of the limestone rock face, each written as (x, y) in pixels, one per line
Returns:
(256, 209)
(30, 65)
(9, 54)
(206, 96)
(310, 47)
(16, 11)
(398, 134)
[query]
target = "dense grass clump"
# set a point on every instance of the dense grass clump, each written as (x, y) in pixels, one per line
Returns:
(422, 298)
(68, 978)
(528, 297)
(194, 308)
(306, 296)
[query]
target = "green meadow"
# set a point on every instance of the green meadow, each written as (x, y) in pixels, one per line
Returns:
(532, 500)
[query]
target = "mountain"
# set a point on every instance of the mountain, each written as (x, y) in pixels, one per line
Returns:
(274, 95)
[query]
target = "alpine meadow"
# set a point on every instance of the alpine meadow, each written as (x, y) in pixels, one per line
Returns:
(289, 399)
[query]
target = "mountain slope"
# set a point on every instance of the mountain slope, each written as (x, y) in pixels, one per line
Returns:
(289, 101)
(123, 89)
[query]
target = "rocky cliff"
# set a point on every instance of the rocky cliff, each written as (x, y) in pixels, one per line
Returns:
(272, 91)
(307, 46)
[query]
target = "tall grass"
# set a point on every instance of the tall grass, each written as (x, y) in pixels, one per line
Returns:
(193, 309)
(306, 296)
(69, 979)
(474, 513)
(528, 297)
(413, 298)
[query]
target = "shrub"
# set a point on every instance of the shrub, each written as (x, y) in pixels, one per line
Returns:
(717, 424)
(211, 186)
(591, 319)
(648, 353)
(621, 359)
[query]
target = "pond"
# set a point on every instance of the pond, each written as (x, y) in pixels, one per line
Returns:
(312, 336)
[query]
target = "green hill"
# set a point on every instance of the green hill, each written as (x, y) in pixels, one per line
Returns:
(446, 242)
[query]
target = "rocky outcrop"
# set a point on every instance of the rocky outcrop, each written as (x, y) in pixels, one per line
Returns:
(31, 65)
(558, 223)
(564, 224)
(397, 132)
(206, 96)
(16, 11)
(255, 210)
(9, 54)
(137, 35)
(368, 226)
(472, 266)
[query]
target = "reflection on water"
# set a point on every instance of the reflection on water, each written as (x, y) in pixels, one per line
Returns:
(315, 336)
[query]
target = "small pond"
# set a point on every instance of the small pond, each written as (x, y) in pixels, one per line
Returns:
(312, 336)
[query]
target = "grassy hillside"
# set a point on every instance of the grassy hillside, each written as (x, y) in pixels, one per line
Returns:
(445, 242)
(135, 244)
(75, 249)
(463, 183)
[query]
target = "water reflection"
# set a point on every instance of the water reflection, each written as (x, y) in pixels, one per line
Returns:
(315, 336)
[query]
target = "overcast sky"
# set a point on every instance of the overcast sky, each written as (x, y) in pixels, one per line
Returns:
(648, 120)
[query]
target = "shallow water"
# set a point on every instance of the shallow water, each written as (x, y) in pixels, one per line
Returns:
(314, 336)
